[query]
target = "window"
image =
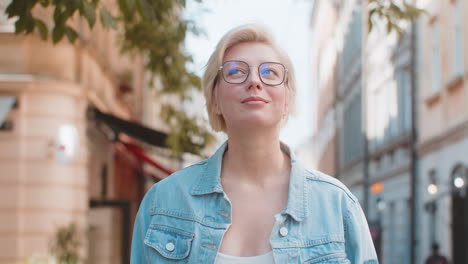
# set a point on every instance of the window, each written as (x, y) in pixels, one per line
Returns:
(352, 48)
(7, 103)
(392, 242)
(435, 51)
(352, 131)
(392, 109)
(404, 100)
(457, 38)
(407, 238)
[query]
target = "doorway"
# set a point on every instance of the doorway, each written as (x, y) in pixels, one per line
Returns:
(460, 218)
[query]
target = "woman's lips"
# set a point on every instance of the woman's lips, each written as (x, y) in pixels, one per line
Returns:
(255, 100)
(255, 103)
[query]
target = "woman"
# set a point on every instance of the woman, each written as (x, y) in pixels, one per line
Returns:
(251, 202)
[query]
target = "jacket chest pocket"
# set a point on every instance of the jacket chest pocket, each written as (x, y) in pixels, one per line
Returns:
(329, 250)
(170, 245)
(324, 250)
(331, 258)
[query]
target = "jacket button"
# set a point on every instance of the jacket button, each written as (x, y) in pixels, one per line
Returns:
(283, 231)
(170, 246)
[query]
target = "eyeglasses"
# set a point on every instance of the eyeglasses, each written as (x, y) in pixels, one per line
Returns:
(236, 72)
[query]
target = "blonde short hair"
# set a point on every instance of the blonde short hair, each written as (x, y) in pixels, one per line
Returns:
(241, 34)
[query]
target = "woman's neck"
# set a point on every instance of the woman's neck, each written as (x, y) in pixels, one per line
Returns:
(255, 160)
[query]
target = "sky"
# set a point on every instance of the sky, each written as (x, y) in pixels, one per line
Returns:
(289, 22)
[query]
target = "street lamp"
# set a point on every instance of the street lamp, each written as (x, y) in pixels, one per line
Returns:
(381, 204)
(432, 189)
(459, 182)
(459, 177)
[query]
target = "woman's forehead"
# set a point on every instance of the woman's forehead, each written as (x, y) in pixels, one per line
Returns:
(252, 52)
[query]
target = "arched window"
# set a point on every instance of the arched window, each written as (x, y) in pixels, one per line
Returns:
(457, 20)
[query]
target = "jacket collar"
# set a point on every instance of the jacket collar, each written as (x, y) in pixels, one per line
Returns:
(209, 181)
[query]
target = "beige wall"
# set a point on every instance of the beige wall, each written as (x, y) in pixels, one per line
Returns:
(54, 84)
(42, 194)
(443, 122)
(445, 109)
(324, 50)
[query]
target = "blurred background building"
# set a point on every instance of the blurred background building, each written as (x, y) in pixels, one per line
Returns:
(72, 145)
(367, 85)
(443, 128)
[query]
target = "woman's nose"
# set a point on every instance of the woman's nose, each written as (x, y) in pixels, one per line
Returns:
(254, 79)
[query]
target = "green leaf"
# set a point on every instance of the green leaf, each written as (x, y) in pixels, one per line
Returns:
(59, 16)
(392, 14)
(71, 34)
(57, 33)
(72, 6)
(389, 26)
(20, 25)
(42, 28)
(107, 20)
(396, 11)
(154, 29)
(44, 3)
(15, 8)
(30, 4)
(87, 10)
(146, 10)
(130, 5)
(127, 10)
(29, 23)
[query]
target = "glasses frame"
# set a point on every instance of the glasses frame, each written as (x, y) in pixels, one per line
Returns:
(285, 71)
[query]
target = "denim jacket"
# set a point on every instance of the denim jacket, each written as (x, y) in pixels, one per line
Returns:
(183, 218)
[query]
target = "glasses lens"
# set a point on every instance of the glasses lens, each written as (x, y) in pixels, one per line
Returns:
(235, 71)
(271, 73)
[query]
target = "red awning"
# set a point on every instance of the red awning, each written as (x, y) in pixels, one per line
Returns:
(141, 155)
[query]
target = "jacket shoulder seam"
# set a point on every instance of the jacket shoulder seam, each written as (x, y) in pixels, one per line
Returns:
(311, 175)
(190, 167)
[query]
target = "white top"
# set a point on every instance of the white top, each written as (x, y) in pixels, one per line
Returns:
(266, 258)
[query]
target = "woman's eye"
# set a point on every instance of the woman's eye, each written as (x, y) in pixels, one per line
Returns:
(234, 71)
(267, 72)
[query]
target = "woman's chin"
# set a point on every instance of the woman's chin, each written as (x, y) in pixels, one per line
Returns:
(256, 122)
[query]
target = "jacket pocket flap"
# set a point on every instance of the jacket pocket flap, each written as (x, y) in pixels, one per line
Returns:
(171, 243)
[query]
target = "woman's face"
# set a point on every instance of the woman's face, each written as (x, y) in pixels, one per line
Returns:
(251, 103)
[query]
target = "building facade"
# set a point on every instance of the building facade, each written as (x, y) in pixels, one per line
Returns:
(59, 164)
(366, 84)
(388, 128)
(324, 57)
(443, 128)
(336, 26)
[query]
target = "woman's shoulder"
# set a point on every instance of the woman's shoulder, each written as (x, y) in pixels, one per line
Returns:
(175, 188)
(182, 178)
(326, 184)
